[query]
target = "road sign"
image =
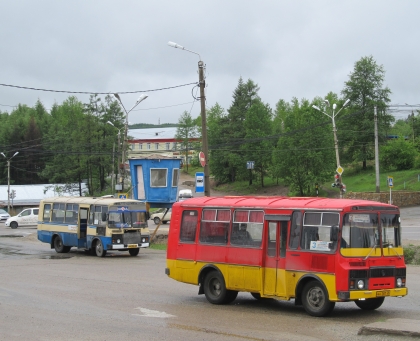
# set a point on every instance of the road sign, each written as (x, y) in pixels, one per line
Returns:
(122, 196)
(202, 159)
(250, 164)
(390, 181)
(199, 182)
(340, 170)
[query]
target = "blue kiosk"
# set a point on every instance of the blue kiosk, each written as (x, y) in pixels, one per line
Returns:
(154, 179)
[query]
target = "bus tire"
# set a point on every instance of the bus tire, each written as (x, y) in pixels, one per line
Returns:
(215, 289)
(134, 252)
(371, 303)
(315, 299)
(58, 244)
(99, 249)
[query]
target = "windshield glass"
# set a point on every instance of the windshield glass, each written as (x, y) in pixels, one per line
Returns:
(127, 219)
(391, 233)
(360, 230)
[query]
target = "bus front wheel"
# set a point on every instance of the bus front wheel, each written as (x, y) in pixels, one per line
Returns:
(315, 299)
(215, 289)
(371, 303)
(134, 252)
(99, 249)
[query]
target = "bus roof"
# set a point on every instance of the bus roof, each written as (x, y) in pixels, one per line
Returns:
(273, 202)
(91, 200)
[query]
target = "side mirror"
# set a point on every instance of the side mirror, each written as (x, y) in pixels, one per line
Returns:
(334, 233)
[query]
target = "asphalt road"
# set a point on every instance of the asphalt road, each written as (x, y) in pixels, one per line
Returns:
(75, 296)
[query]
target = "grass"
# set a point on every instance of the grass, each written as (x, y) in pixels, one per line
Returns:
(355, 179)
(365, 181)
(158, 246)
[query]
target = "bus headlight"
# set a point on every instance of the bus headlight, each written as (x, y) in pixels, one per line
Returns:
(360, 284)
(399, 282)
(118, 241)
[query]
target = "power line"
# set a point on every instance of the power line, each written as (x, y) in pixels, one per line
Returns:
(95, 93)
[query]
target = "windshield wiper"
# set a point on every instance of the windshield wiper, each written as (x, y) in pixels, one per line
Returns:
(391, 247)
(373, 248)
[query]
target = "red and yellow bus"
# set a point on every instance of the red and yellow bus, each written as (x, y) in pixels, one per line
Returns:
(317, 251)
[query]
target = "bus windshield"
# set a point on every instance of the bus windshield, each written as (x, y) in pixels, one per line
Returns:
(361, 230)
(127, 219)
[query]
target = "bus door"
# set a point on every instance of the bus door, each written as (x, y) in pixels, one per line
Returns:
(82, 230)
(275, 252)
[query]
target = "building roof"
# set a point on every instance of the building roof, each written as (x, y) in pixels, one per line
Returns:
(33, 194)
(153, 133)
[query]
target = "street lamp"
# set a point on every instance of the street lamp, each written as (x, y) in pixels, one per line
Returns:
(8, 179)
(113, 154)
(337, 156)
(203, 118)
(140, 99)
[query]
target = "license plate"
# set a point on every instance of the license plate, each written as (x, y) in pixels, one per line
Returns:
(131, 246)
(382, 293)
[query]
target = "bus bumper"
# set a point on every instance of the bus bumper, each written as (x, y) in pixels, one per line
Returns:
(366, 294)
(126, 246)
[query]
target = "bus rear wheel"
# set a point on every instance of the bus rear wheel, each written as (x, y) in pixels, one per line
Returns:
(371, 303)
(215, 289)
(315, 299)
(59, 246)
(99, 249)
(134, 252)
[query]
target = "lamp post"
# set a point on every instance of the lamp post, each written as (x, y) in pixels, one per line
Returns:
(8, 179)
(337, 156)
(203, 117)
(113, 154)
(123, 159)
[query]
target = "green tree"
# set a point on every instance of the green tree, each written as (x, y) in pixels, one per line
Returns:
(258, 147)
(365, 90)
(398, 154)
(304, 154)
(186, 132)
(217, 137)
(244, 96)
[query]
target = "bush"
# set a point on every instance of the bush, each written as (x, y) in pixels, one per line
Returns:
(398, 154)
(412, 254)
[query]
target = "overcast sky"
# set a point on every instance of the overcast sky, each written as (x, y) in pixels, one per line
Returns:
(296, 48)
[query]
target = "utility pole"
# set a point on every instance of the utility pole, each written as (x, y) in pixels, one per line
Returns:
(203, 117)
(376, 153)
(113, 168)
(8, 179)
(204, 129)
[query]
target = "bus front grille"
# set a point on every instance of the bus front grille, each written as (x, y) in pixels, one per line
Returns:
(132, 237)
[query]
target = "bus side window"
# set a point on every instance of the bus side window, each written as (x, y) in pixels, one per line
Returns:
(47, 213)
(295, 230)
(188, 226)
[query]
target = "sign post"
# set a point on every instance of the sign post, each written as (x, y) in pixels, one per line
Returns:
(390, 185)
(250, 166)
(199, 182)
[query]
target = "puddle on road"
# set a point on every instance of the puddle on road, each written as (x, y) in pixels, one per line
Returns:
(12, 236)
(56, 256)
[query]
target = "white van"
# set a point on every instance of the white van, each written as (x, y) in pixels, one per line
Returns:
(27, 217)
(184, 194)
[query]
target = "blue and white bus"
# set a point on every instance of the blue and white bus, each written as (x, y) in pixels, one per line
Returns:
(93, 224)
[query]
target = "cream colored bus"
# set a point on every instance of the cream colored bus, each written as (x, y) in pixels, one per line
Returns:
(93, 224)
